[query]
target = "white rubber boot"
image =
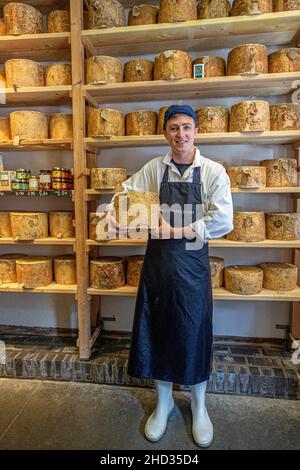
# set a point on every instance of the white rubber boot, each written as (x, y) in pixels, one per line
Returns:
(157, 422)
(203, 431)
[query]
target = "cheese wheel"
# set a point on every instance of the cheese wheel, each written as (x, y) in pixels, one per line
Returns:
(172, 12)
(134, 269)
(141, 123)
(2, 27)
(279, 276)
(65, 270)
(58, 75)
(248, 59)
(8, 271)
(61, 126)
(160, 122)
(244, 280)
(34, 272)
(103, 69)
(250, 116)
(105, 122)
(107, 273)
(137, 210)
(23, 73)
(251, 7)
(283, 226)
(285, 117)
(213, 66)
(29, 125)
(285, 60)
(5, 225)
(2, 79)
(29, 225)
(105, 14)
(142, 14)
(217, 271)
(59, 21)
(108, 178)
(138, 70)
(286, 5)
(212, 119)
(281, 172)
(247, 176)
(172, 65)
(21, 18)
(213, 9)
(5, 133)
(61, 224)
(248, 227)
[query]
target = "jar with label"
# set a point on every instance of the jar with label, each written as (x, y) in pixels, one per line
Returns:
(33, 183)
(65, 184)
(56, 184)
(65, 173)
(15, 185)
(45, 180)
(56, 172)
(22, 174)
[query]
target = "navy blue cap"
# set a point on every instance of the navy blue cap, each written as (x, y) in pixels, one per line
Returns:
(180, 109)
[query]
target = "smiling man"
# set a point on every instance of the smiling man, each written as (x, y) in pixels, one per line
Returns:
(172, 330)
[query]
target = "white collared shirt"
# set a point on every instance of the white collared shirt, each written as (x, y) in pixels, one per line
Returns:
(215, 190)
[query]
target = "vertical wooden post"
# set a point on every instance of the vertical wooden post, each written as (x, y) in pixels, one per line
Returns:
(83, 304)
(295, 315)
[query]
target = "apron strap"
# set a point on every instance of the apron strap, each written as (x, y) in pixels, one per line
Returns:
(196, 175)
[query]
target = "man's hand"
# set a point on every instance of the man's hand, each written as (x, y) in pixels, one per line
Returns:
(167, 232)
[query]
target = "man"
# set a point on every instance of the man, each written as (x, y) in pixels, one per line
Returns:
(172, 330)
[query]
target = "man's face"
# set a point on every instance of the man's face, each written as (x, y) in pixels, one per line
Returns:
(180, 133)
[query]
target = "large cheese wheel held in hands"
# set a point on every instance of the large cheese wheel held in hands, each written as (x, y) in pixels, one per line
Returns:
(281, 172)
(61, 224)
(58, 75)
(212, 119)
(244, 280)
(250, 116)
(23, 73)
(285, 60)
(279, 276)
(138, 70)
(65, 270)
(248, 59)
(103, 69)
(172, 65)
(29, 125)
(173, 12)
(107, 273)
(21, 18)
(138, 210)
(105, 122)
(248, 227)
(142, 14)
(59, 21)
(283, 226)
(105, 14)
(61, 126)
(34, 272)
(29, 225)
(285, 117)
(251, 7)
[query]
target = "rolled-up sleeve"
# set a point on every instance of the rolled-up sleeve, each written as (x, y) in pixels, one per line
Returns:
(218, 210)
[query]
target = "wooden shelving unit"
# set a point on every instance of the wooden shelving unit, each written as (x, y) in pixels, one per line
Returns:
(223, 243)
(38, 96)
(36, 145)
(51, 289)
(40, 241)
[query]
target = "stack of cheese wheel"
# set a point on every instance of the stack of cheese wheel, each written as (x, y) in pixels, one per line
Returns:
(5, 225)
(23, 73)
(141, 123)
(2, 27)
(250, 116)
(281, 172)
(286, 5)
(61, 224)
(251, 7)
(105, 122)
(105, 14)
(244, 280)
(248, 227)
(134, 269)
(137, 210)
(172, 65)
(65, 270)
(285, 60)
(283, 226)
(58, 75)
(212, 119)
(217, 271)
(29, 125)
(247, 177)
(5, 133)
(21, 18)
(103, 69)
(108, 178)
(29, 225)
(213, 66)
(61, 126)
(138, 70)
(172, 12)
(107, 273)
(248, 59)
(34, 272)
(285, 117)
(213, 9)
(59, 21)
(279, 276)
(8, 271)
(160, 122)
(98, 231)
(142, 14)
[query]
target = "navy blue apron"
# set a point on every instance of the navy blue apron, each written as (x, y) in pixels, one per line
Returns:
(172, 328)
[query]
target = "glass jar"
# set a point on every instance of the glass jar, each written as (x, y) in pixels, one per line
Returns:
(45, 180)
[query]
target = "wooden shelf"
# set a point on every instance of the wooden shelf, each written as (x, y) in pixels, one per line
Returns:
(36, 145)
(271, 29)
(264, 138)
(38, 96)
(219, 87)
(51, 289)
(41, 47)
(40, 241)
(223, 243)
(218, 294)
